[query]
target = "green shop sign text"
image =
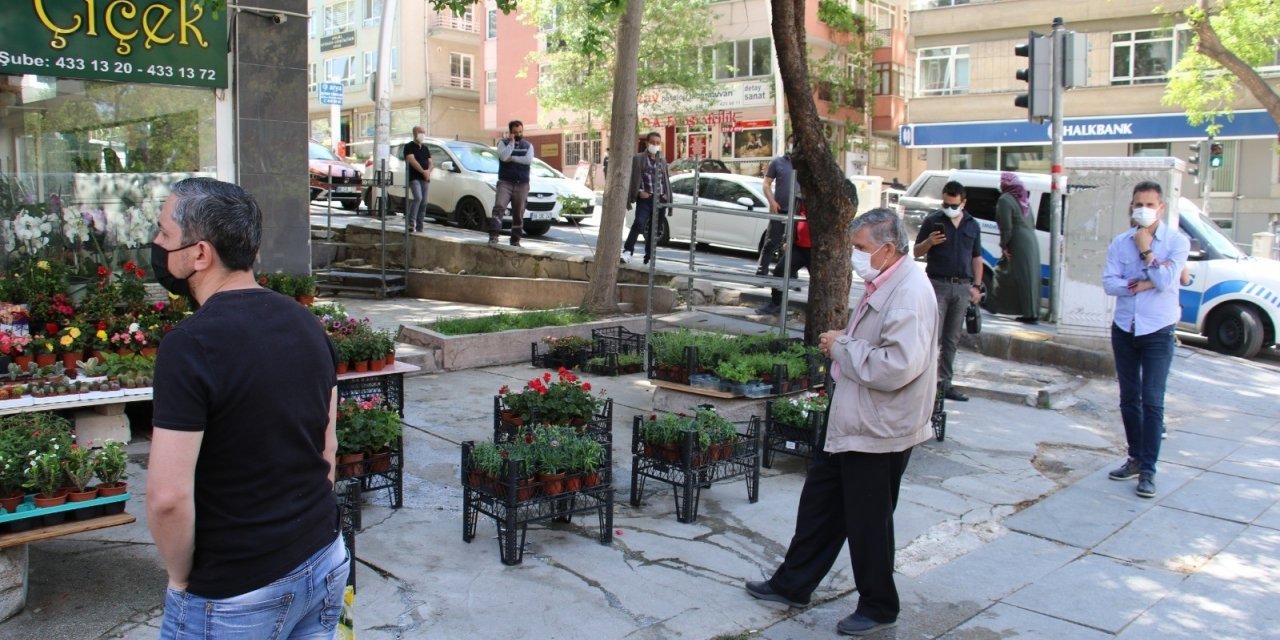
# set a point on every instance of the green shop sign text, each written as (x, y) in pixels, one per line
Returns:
(151, 41)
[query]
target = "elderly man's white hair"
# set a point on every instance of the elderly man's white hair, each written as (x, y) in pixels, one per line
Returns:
(885, 227)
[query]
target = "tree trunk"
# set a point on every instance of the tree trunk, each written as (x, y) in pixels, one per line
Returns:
(1210, 45)
(602, 291)
(826, 198)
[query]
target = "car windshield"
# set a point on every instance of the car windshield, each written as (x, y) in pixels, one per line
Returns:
(544, 170)
(320, 152)
(476, 158)
(1196, 225)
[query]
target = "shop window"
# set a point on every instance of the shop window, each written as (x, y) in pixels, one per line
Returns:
(1149, 150)
(404, 120)
(1145, 57)
(969, 158)
(1026, 158)
(578, 147)
(460, 70)
(366, 124)
(92, 163)
(884, 154)
(943, 71)
(339, 16)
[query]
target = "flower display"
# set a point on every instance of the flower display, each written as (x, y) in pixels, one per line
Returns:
(561, 399)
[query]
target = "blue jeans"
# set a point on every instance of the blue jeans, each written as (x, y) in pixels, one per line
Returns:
(640, 226)
(1142, 368)
(303, 605)
(416, 213)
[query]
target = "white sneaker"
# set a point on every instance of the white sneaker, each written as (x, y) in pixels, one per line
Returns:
(626, 257)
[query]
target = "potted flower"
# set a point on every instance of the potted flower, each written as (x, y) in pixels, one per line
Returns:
(716, 431)
(16, 347)
(382, 428)
(736, 373)
(45, 349)
(80, 464)
(111, 465)
(11, 479)
(551, 457)
(304, 289)
(661, 436)
(350, 448)
(342, 347)
(567, 351)
(71, 343)
(486, 467)
(585, 455)
(45, 475)
(568, 400)
(389, 347)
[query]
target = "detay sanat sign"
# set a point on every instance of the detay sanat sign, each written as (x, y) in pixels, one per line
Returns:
(153, 41)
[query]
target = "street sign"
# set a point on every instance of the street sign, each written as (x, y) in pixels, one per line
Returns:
(331, 93)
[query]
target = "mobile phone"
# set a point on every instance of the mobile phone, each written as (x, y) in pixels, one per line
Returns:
(937, 226)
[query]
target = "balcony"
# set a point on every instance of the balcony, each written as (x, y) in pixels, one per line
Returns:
(462, 29)
(448, 85)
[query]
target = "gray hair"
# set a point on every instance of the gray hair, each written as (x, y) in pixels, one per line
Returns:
(223, 215)
(885, 227)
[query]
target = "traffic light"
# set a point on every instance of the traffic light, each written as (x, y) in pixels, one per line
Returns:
(1193, 161)
(1038, 100)
(1215, 155)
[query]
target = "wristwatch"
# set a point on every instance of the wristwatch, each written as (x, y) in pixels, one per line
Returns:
(1144, 254)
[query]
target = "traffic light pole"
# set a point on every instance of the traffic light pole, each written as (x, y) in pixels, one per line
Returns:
(1206, 168)
(1057, 179)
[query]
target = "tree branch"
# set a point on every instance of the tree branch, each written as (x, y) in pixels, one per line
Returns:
(1210, 45)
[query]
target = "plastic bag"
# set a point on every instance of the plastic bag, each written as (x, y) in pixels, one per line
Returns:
(346, 621)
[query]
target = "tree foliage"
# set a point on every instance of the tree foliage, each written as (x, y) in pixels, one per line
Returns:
(579, 62)
(1231, 38)
(842, 74)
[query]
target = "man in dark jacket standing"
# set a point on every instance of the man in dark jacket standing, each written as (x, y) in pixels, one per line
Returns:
(650, 183)
(515, 155)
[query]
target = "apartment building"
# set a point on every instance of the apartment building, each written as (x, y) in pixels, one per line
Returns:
(739, 124)
(434, 58)
(962, 113)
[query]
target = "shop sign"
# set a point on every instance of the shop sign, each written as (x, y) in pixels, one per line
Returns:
(725, 95)
(723, 118)
(173, 42)
(337, 40)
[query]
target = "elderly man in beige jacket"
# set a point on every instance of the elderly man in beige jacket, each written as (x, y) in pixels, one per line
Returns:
(884, 364)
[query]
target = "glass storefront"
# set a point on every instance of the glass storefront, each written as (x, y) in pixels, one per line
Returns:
(85, 165)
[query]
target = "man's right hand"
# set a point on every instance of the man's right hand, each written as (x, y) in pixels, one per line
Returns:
(645, 195)
(936, 238)
(773, 206)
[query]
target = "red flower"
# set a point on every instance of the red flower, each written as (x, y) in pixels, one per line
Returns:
(528, 438)
(586, 386)
(102, 326)
(159, 306)
(504, 390)
(140, 273)
(130, 266)
(547, 376)
(103, 271)
(262, 281)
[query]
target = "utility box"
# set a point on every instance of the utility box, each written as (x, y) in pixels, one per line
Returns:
(1099, 191)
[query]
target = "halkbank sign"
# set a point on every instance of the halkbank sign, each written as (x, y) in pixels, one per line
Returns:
(1154, 127)
(175, 42)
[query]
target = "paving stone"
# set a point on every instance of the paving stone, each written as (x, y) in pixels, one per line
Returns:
(988, 574)
(1195, 450)
(1170, 539)
(1224, 496)
(1269, 518)
(1078, 516)
(1004, 621)
(1097, 592)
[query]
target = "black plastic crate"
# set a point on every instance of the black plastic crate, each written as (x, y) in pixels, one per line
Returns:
(348, 495)
(543, 357)
(616, 340)
(599, 427)
(802, 441)
(679, 375)
(610, 365)
(688, 470)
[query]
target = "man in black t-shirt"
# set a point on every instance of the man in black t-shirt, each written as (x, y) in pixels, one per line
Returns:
(417, 159)
(952, 240)
(240, 487)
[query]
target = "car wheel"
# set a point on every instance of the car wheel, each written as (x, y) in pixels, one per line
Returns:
(664, 233)
(1236, 330)
(350, 205)
(470, 214)
(535, 229)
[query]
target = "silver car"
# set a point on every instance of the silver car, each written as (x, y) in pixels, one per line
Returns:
(726, 190)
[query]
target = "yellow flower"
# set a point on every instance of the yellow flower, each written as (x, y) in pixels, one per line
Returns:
(102, 335)
(66, 341)
(48, 346)
(43, 264)
(75, 332)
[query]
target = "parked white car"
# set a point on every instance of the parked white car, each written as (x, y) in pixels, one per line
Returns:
(727, 190)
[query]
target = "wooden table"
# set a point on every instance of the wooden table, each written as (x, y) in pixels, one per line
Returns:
(13, 546)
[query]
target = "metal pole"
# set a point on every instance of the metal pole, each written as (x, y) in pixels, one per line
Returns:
(1058, 179)
(787, 235)
(693, 233)
(1206, 185)
(382, 104)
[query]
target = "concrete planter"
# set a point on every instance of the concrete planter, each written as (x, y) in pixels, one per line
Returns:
(503, 347)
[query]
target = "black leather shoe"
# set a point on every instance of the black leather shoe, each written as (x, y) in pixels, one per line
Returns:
(762, 591)
(856, 624)
(952, 394)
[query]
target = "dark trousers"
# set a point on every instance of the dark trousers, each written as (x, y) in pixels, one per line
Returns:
(799, 260)
(1142, 368)
(640, 225)
(515, 195)
(847, 496)
(953, 302)
(772, 240)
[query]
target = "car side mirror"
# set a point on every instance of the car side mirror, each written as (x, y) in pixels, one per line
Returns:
(747, 202)
(449, 166)
(1197, 250)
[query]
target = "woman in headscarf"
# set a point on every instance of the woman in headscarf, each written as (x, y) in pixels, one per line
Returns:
(1016, 289)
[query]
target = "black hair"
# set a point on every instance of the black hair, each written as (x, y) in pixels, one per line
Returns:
(513, 124)
(1148, 185)
(953, 188)
(652, 134)
(222, 214)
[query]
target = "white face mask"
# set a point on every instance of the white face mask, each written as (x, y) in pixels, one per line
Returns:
(1144, 216)
(862, 264)
(422, 137)
(655, 148)
(952, 211)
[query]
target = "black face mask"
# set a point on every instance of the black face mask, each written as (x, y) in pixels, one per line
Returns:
(160, 264)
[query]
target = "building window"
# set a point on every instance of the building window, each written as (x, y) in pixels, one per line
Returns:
(884, 154)
(1149, 149)
(371, 65)
(366, 124)
(339, 16)
(311, 24)
(882, 15)
(460, 70)
(372, 12)
(579, 148)
(890, 79)
(490, 87)
(491, 30)
(943, 71)
(1032, 158)
(311, 78)
(1145, 57)
(968, 158)
(934, 4)
(341, 69)
(740, 58)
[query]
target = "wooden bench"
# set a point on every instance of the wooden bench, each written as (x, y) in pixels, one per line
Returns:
(14, 556)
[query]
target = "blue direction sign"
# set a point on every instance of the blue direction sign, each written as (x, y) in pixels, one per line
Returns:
(331, 93)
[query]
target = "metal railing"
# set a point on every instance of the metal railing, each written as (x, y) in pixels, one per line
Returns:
(449, 21)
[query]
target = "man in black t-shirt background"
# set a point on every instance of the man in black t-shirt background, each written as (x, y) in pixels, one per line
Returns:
(952, 240)
(417, 160)
(240, 485)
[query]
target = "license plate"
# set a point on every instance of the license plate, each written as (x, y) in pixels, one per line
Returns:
(538, 215)
(345, 189)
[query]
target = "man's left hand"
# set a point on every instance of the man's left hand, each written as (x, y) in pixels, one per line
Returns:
(1138, 286)
(975, 294)
(828, 338)
(1142, 238)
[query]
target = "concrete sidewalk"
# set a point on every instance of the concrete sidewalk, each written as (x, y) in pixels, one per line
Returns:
(1009, 528)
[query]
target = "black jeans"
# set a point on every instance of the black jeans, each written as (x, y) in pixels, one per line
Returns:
(772, 240)
(1142, 368)
(799, 259)
(640, 225)
(849, 497)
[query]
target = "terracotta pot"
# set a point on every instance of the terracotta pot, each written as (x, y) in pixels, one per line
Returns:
(307, 300)
(342, 368)
(350, 465)
(378, 462)
(552, 483)
(45, 359)
(22, 360)
(391, 358)
(361, 366)
(377, 365)
(573, 483)
(150, 352)
(511, 418)
(525, 491)
(110, 490)
(83, 513)
(591, 479)
(124, 352)
(10, 504)
(69, 363)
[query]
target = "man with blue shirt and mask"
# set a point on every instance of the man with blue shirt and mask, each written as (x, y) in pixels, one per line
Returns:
(1143, 272)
